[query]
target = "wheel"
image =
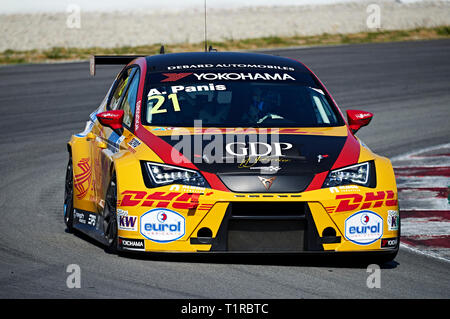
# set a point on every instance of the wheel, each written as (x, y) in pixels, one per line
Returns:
(110, 216)
(386, 257)
(68, 197)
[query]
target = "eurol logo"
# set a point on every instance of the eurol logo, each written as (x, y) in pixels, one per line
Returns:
(364, 227)
(162, 225)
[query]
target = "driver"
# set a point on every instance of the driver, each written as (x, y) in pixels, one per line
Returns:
(263, 105)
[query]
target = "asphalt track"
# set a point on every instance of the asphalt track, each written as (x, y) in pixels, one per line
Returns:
(406, 85)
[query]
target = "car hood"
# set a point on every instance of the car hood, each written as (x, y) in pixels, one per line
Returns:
(251, 160)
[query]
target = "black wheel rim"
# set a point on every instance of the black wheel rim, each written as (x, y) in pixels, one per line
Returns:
(109, 218)
(68, 194)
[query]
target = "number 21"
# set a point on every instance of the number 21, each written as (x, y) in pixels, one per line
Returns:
(156, 109)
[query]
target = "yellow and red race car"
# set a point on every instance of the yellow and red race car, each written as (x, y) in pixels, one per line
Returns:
(227, 152)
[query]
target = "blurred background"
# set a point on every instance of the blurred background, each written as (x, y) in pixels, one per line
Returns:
(34, 31)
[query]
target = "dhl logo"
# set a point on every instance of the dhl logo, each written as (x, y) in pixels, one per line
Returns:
(175, 200)
(350, 202)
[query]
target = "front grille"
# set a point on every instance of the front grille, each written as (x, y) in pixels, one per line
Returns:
(268, 210)
(266, 226)
(268, 236)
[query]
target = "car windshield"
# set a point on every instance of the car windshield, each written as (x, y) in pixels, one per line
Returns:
(241, 99)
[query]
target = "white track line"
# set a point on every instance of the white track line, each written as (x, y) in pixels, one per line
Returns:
(426, 253)
(423, 150)
(418, 161)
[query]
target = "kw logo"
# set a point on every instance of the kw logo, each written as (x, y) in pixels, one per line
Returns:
(175, 200)
(82, 181)
(351, 202)
(127, 222)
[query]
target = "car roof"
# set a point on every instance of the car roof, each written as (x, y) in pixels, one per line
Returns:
(181, 61)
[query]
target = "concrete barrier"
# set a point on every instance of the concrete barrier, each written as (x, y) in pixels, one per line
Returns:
(141, 27)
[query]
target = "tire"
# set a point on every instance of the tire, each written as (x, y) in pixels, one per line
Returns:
(68, 197)
(386, 257)
(110, 216)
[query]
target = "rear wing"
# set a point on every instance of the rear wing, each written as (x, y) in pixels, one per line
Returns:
(111, 60)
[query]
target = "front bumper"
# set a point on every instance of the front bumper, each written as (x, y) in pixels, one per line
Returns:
(310, 222)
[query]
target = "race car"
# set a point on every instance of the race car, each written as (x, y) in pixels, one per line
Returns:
(227, 152)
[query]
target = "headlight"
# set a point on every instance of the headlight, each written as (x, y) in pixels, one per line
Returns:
(161, 175)
(359, 174)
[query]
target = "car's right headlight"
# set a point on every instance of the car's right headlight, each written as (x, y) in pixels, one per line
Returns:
(359, 174)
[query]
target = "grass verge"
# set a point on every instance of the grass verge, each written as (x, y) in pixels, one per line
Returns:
(57, 54)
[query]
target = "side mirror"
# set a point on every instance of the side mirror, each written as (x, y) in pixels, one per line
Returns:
(357, 119)
(112, 119)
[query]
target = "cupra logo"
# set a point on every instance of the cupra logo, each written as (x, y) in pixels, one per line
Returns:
(267, 182)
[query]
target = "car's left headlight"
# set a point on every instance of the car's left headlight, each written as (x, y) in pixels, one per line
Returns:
(359, 174)
(161, 175)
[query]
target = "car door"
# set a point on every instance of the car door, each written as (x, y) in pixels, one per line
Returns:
(109, 142)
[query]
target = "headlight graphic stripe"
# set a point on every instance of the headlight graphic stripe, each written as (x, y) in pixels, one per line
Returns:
(349, 154)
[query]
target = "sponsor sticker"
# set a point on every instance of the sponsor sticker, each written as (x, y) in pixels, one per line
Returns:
(132, 244)
(256, 149)
(393, 219)
(134, 142)
(364, 227)
(137, 119)
(350, 202)
(389, 242)
(127, 222)
(229, 65)
(344, 189)
(172, 77)
(79, 216)
(162, 225)
(85, 218)
(176, 200)
(187, 188)
(243, 76)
